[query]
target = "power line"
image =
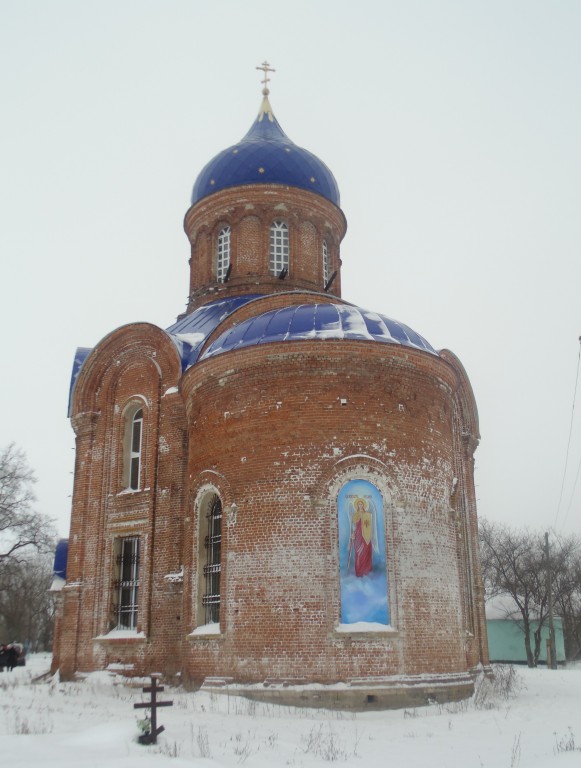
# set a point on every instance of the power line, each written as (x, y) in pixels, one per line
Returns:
(572, 492)
(569, 444)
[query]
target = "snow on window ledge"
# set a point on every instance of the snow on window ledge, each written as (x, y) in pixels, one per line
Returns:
(132, 491)
(126, 635)
(175, 578)
(206, 629)
(57, 584)
(118, 667)
(365, 626)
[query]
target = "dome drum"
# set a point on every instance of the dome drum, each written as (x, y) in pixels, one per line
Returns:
(313, 225)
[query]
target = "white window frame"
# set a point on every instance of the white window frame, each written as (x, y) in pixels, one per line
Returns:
(325, 253)
(134, 450)
(223, 252)
(279, 247)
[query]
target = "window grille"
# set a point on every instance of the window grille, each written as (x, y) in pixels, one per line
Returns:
(325, 263)
(213, 567)
(279, 247)
(135, 450)
(223, 253)
(126, 584)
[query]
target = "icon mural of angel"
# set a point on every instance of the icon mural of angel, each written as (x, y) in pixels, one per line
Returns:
(363, 540)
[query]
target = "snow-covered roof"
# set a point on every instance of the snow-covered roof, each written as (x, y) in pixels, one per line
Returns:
(296, 322)
(317, 321)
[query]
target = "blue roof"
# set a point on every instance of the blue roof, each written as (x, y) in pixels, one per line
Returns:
(317, 321)
(61, 555)
(266, 156)
(80, 356)
(190, 333)
(303, 321)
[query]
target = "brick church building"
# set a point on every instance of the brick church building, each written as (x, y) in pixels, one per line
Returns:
(275, 494)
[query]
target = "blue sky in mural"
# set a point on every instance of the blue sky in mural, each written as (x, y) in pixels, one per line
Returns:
(363, 598)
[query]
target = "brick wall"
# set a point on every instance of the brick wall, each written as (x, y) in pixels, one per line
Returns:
(275, 430)
(270, 421)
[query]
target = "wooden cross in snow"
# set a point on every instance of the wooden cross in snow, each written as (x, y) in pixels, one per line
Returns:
(154, 689)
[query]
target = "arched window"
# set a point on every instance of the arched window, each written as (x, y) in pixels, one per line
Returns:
(210, 554)
(223, 253)
(132, 448)
(279, 249)
(135, 454)
(325, 251)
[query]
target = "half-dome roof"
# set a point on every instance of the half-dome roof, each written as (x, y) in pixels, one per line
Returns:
(266, 156)
(191, 332)
(290, 323)
(317, 321)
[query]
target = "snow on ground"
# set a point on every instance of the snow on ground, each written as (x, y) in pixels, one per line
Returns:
(92, 724)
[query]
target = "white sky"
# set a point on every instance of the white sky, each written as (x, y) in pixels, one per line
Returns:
(453, 129)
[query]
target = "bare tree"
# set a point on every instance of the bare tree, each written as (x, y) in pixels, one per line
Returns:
(514, 564)
(567, 592)
(26, 605)
(22, 528)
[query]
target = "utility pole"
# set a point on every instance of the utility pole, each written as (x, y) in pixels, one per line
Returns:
(549, 576)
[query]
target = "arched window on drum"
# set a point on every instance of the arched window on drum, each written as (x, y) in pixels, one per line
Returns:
(279, 249)
(223, 253)
(326, 270)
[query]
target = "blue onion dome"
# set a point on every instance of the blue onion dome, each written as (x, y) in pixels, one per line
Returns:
(266, 156)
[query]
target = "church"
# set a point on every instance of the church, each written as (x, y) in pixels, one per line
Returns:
(275, 495)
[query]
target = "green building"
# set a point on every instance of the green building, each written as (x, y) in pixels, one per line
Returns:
(506, 634)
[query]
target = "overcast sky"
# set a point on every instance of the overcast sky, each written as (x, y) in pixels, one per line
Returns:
(452, 128)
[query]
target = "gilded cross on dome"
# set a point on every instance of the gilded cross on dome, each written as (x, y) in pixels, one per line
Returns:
(266, 68)
(265, 108)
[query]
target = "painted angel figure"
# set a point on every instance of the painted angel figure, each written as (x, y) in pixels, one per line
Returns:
(363, 535)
